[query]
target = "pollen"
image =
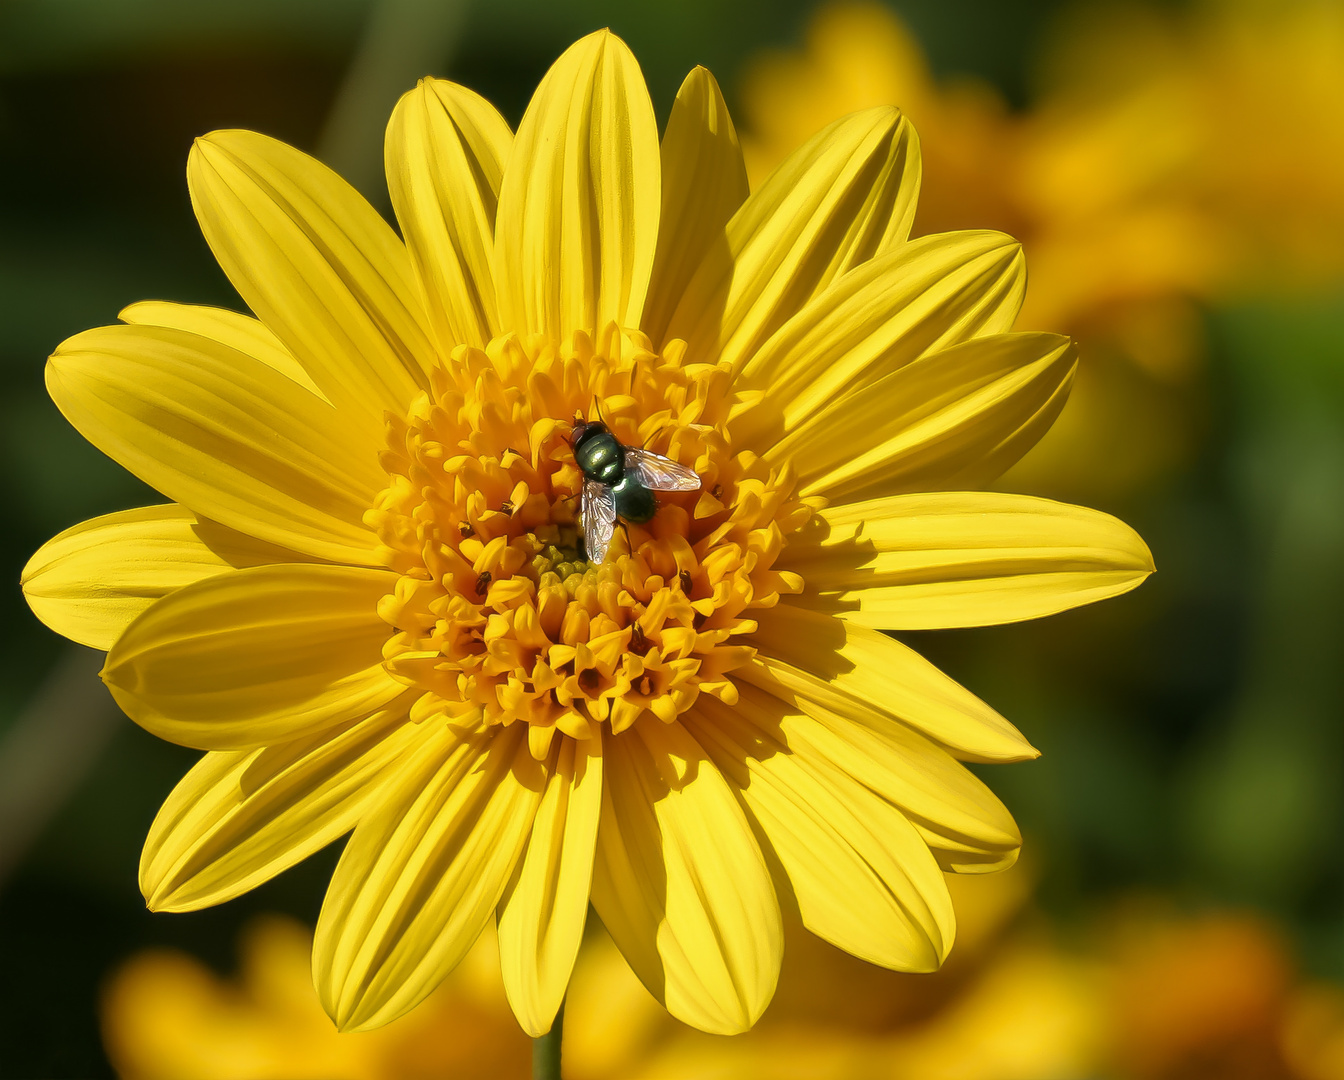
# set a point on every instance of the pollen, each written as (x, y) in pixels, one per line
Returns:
(498, 616)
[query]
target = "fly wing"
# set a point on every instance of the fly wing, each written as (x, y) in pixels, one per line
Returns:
(597, 511)
(659, 473)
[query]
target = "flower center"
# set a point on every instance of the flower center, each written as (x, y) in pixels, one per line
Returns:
(498, 616)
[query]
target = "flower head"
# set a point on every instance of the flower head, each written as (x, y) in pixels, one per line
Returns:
(370, 603)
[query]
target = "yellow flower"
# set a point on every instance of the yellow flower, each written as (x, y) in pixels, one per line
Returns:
(368, 603)
(166, 1016)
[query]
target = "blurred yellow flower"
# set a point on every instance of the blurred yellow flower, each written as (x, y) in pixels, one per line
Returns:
(1312, 1039)
(165, 1016)
(1197, 997)
(369, 601)
(1156, 996)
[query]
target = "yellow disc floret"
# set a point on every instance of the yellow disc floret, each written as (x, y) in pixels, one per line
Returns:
(498, 616)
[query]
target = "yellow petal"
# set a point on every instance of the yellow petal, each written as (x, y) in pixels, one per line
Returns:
(846, 196)
(239, 818)
(863, 878)
(859, 672)
(257, 656)
(421, 876)
(704, 183)
(578, 208)
(91, 581)
(951, 419)
(445, 153)
(542, 915)
(241, 332)
(317, 265)
(926, 295)
(223, 434)
(680, 883)
(924, 562)
(954, 813)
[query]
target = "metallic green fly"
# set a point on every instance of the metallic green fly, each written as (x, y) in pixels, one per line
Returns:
(619, 482)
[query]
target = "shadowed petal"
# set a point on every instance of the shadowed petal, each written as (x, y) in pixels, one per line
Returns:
(241, 332)
(951, 419)
(864, 674)
(680, 883)
(863, 878)
(954, 813)
(926, 295)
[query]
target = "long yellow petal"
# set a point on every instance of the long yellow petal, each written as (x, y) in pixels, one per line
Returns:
(578, 209)
(243, 333)
(422, 875)
(704, 184)
(955, 814)
(90, 582)
(863, 878)
(681, 884)
(223, 434)
(445, 153)
(257, 656)
(954, 419)
(239, 818)
(924, 562)
(843, 198)
(926, 295)
(542, 915)
(862, 673)
(317, 265)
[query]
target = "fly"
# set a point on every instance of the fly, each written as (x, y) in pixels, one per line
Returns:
(619, 482)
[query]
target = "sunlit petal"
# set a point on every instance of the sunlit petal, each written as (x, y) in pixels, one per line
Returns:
(222, 433)
(445, 154)
(580, 255)
(256, 656)
(91, 581)
(704, 183)
(421, 876)
(542, 915)
(923, 562)
(240, 817)
(316, 264)
(844, 198)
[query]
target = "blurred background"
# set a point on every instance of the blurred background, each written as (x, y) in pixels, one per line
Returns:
(1176, 174)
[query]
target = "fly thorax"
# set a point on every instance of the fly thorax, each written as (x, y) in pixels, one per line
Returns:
(600, 458)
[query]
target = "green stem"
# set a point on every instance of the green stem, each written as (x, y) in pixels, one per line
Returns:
(546, 1050)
